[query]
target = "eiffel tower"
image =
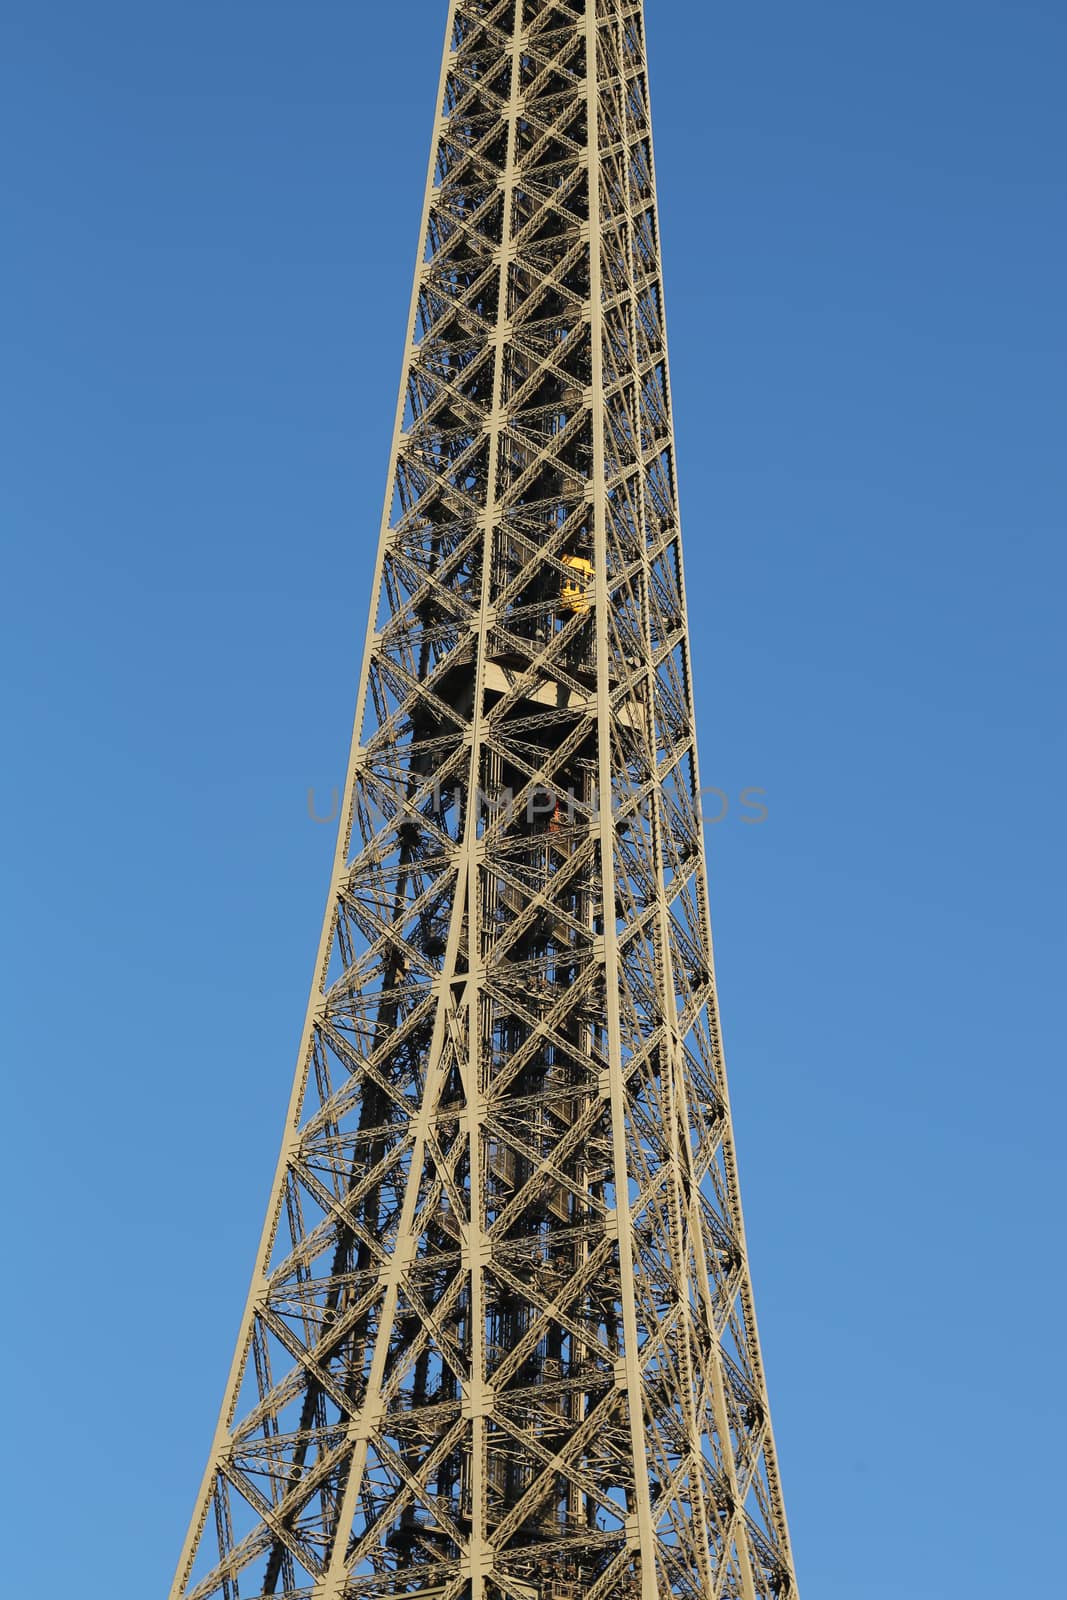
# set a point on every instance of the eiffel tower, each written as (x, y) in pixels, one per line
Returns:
(500, 1341)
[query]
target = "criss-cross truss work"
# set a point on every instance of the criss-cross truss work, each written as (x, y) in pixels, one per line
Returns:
(500, 1341)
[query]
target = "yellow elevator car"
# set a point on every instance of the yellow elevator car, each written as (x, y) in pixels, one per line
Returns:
(574, 589)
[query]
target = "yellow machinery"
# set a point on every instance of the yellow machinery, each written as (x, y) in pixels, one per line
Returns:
(574, 590)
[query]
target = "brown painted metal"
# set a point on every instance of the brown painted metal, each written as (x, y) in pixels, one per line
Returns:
(500, 1340)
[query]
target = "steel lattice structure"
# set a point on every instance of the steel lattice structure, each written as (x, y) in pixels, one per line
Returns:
(500, 1340)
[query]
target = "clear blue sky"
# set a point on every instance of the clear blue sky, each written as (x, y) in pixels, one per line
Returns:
(209, 214)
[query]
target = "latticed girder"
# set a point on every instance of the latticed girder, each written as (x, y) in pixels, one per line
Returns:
(500, 1341)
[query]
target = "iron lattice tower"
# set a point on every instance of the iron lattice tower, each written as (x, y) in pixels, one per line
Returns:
(500, 1340)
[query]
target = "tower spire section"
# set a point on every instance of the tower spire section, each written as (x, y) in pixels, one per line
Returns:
(500, 1340)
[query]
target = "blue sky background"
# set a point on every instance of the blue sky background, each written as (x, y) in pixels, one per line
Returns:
(208, 218)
